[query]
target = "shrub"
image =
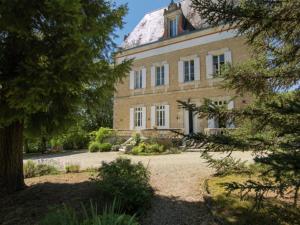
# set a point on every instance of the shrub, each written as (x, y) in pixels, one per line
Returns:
(102, 134)
(68, 216)
(94, 147)
(105, 147)
(32, 169)
(136, 139)
(141, 148)
(72, 168)
(145, 148)
(127, 182)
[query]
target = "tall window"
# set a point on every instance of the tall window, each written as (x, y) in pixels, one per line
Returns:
(218, 63)
(160, 116)
(138, 117)
(189, 71)
(173, 28)
(138, 79)
(220, 123)
(160, 76)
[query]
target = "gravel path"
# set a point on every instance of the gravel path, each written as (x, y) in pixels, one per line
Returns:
(177, 181)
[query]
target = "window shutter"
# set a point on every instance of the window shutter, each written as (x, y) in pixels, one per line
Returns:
(144, 71)
(131, 118)
(153, 76)
(167, 111)
(131, 80)
(209, 66)
(196, 123)
(228, 58)
(180, 71)
(167, 79)
(230, 123)
(197, 68)
(144, 125)
(153, 116)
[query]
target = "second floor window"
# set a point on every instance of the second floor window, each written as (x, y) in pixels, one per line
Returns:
(189, 70)
(160, 116)
(218, 63)
(173, 27)
(160, 76)
(138, 79)
(138, 117)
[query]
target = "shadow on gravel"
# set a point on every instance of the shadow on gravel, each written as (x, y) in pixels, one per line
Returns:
(52, 155)
(30, 205)
(174, 211)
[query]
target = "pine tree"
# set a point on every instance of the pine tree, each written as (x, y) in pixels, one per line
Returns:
(270, 126)
(54, 58)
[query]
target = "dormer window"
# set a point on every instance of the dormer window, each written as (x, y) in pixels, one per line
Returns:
(173, 27)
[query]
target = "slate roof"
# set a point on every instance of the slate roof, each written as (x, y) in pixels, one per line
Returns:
(151, 28)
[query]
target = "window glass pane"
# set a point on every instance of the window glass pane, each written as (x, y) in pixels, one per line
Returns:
(186, 71)
(192, 70)
(215, 64)
(162, 78)
(222, 59)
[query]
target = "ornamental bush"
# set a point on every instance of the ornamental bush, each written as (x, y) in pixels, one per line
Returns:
(127, 182)
(105, 147)
(94, 147)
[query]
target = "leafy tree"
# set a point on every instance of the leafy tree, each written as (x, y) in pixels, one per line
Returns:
(270, 126)
(54, 58)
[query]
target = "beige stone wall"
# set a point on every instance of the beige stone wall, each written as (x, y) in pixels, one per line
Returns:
(196, 91)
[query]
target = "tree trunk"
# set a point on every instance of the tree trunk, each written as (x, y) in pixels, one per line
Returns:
(11, 158)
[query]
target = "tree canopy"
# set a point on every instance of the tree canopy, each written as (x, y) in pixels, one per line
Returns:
(55, 61)
(270, 125)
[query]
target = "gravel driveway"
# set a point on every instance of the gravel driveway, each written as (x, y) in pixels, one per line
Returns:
(177, 181)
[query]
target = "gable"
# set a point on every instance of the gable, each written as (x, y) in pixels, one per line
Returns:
(151, 28)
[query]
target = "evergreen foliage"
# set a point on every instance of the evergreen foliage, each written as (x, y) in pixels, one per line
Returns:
(55, 64)
(270, 125)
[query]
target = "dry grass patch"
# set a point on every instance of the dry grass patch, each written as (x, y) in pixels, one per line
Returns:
(231, 210)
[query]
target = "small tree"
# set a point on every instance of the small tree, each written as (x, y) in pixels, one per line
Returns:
(54, 59)
(270, 127)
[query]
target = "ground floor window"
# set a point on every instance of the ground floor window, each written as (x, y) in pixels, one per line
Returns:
(160, 116)
(138, 117)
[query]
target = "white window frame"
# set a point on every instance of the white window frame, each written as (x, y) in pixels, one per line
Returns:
(160, 116)
(138, 79)
(189, 70)
(160, 75)
(138, 117)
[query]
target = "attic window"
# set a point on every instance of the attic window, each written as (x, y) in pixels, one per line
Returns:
(173, 27)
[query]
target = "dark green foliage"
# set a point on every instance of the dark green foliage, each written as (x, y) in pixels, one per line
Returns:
(105, 147)
(68, 216)
(270, 125)
(55, 65)
(32, 169)
(127, 182)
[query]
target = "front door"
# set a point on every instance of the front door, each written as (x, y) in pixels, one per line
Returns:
(190, 122)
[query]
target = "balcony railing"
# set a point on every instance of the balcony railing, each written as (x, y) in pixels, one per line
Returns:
(215, 131)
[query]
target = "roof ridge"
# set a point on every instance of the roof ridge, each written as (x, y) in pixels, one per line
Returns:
(155, 10)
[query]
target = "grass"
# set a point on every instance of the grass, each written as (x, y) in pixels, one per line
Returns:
(72, 168)
(233, 211)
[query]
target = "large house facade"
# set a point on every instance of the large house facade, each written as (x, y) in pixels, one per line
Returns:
(176, 57)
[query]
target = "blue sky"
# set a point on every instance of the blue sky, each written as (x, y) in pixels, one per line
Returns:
(137, 9)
